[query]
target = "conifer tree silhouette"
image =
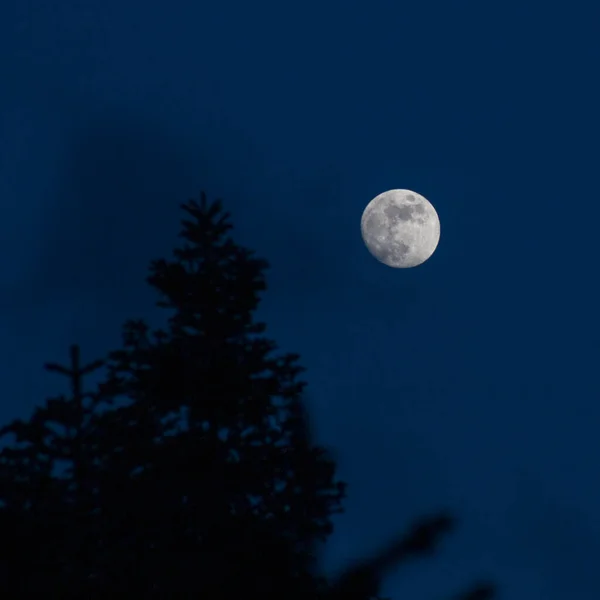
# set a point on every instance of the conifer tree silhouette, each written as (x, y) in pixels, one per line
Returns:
(47, 486)
(211, 427)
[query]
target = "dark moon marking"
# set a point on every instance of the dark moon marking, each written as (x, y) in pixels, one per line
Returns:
(404, 213)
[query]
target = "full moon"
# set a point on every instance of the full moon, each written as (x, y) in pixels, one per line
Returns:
(400, 228)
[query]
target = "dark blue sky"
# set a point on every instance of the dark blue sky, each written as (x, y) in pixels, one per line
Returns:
(468, 382)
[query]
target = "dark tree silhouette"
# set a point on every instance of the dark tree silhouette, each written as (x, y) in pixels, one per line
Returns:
(214, 430)
(191, 471)
(47, 489)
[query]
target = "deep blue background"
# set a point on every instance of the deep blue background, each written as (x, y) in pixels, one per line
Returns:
(470, 381)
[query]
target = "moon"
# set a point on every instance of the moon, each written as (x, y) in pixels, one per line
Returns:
(400, 228)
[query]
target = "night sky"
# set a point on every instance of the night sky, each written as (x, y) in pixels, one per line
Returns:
(469, 382)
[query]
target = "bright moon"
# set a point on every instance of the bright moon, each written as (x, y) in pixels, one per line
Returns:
(400, 228)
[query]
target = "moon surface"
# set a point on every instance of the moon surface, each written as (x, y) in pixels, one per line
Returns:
(400, 228)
